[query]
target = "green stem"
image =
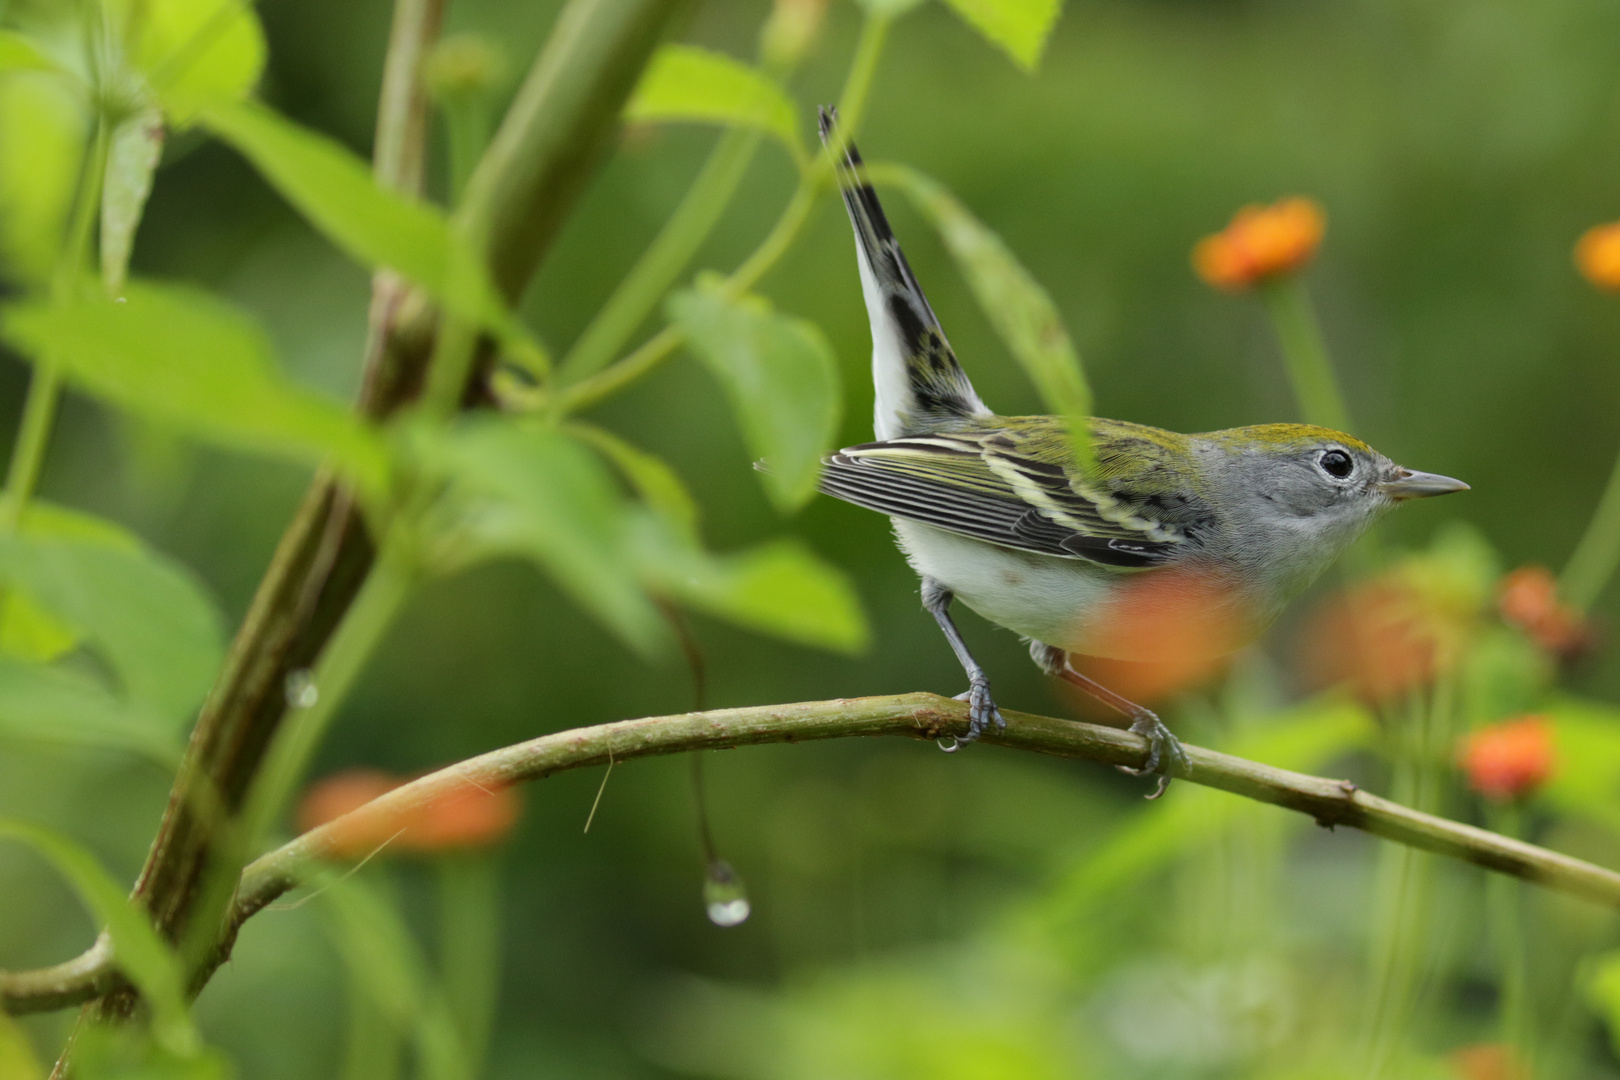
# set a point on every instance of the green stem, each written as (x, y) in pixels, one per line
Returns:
(335, 674)
(467, 128)
(1598, 553)
(470, 947)
(665, 258)
(44, 387)
(1310, 371)
(1506, 922)
(852, 103)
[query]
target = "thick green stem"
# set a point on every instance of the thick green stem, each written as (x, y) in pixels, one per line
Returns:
(1305, 354)
(1598, 554)
(665, 258)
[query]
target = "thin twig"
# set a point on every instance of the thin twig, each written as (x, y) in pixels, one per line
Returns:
(918, 716)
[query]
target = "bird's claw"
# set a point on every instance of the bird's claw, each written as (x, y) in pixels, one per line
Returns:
(982, 712)
(1165, 757)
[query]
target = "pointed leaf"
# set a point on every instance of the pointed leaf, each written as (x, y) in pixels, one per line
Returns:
(132, 157)
(188, 359)
(334, 189)
(532, 492)
(780, 375)
(684, 82)
(145, 614)
(1020, 310)
(780, 588)
(143, 957)
(1019, 27)
(657, 484)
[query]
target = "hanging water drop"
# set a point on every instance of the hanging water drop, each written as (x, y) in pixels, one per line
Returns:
(302, 693)
(724, 897)
(948, 743)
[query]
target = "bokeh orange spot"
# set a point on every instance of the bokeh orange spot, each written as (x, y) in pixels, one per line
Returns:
(1528, 599)
(1597, 256)
(1261, 242)
(465, 817)
(1162, 632)
(1488, 1061)
(1382, 638)
(1509, 760)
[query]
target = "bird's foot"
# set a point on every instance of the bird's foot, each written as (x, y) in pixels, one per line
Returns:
(1165, 755)
(982, 713)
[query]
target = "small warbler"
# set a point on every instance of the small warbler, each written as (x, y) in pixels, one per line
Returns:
(1227, 526)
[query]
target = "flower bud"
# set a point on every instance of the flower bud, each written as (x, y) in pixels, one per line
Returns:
(464, 65)
(791, 29)
(1509, 760)
(1597, 256)
(1261, 242)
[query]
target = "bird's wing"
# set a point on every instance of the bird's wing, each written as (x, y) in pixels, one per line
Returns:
(1013, 486)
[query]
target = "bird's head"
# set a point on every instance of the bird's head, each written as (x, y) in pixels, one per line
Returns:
(1293, 496)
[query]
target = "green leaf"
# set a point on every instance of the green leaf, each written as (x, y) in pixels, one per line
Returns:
(780, 375)
(43, 128)
(187, 359)
(334, 189)
(193, 52)
(51, 705)
(657, 484)
(151, 620)
(132, 157)
(780, 588)
(1020, 310)
(1019, 27)
(19, 53)
(17, 1059)
(143, 957)
(527, 491)
(684, 82)
(27, 630)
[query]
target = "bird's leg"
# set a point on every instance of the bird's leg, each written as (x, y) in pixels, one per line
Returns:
(982, 711)
(1165, 755)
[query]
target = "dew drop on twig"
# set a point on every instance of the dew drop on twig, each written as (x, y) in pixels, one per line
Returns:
(724, 897)
(302, 693)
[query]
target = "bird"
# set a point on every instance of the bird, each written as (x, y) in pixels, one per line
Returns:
(1224, 526)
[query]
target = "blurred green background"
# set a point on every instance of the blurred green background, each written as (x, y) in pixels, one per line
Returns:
(903, 900)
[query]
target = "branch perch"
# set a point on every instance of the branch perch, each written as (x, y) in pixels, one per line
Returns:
(919, 716)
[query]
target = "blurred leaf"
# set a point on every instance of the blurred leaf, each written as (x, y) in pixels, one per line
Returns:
(18, 53)
(132, 157)
(186, 358)
(684, 82)
(142, 956)
(889, 9)
(193, 52)
(334, 189)
(1020, 310)
(1587, 773)
(1602, 979)
(520, 490)
(27, 630)
(1019, 27)
(781, 588)
(657, 484)
(384, 963)
(42, 128)
(48, 704)
(106, 1051)
(17, 1060)
(780, 376)
(148, 616)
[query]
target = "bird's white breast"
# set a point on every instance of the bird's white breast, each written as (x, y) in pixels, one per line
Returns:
(1040, 596)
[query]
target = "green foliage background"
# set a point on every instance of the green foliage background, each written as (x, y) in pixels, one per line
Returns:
(904, 901)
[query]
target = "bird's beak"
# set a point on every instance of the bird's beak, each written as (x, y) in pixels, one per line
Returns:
(1409, 484)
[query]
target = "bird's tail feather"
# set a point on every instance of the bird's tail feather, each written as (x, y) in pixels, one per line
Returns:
(920, 385)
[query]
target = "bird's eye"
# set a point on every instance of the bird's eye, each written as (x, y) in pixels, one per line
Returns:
(1336, 463)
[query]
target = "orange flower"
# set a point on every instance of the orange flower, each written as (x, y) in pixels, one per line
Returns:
(1509, 760)
(1261, 242)
(1529, 600)
(468, 816)
(1383, 637)
(1488, 1061)
(1597, 256)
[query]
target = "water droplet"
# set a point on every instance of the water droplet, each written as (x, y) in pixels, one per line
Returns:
(948, 743)
(724, 897)
(302, 692)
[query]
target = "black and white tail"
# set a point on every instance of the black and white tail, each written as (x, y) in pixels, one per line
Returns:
(920, 386)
